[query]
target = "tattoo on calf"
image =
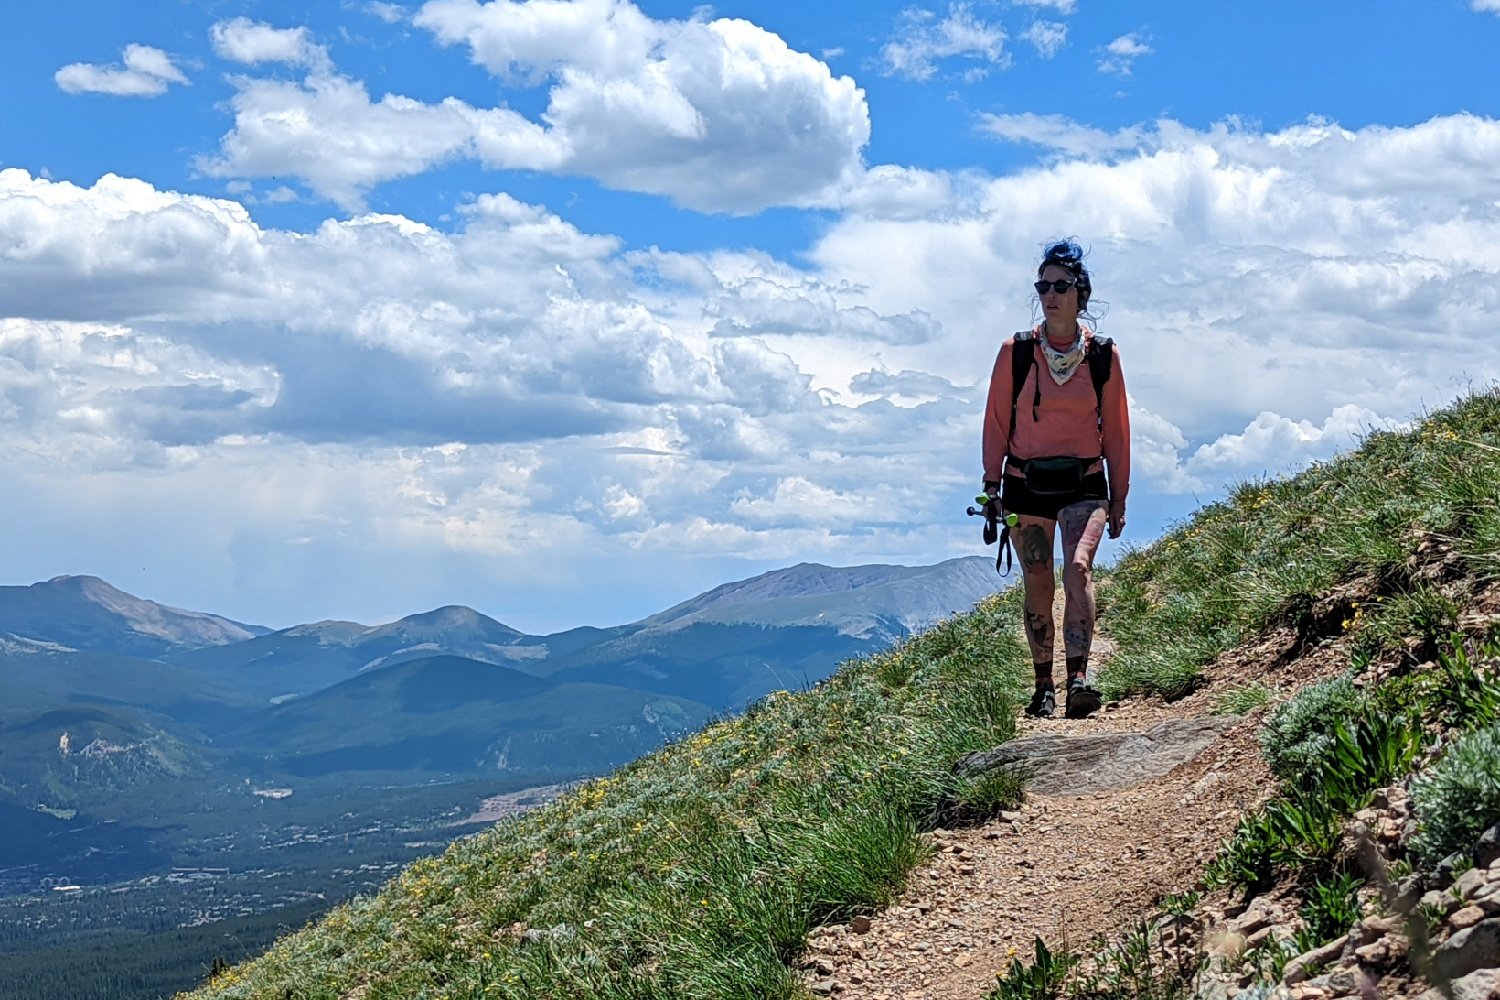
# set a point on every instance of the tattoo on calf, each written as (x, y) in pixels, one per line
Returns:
(1078, 638)
(1040, 629)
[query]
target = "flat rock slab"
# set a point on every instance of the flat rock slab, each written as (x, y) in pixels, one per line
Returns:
(1097, 762)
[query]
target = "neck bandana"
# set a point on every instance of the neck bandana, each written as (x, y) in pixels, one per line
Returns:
(1062, 364)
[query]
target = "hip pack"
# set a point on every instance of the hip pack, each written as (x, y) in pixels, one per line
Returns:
(1054, 476)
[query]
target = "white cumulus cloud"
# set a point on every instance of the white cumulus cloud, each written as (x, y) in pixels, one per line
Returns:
(328, 132)
(1296, 273)
(1060, 133)
(1064, 7)
(925, 39)
(245, 41)
(390, 13)
(720, 116)
(1047, 37)
(1120, 55)
(763, 306)
(146, 72)
(1272, 444)
(520, 386)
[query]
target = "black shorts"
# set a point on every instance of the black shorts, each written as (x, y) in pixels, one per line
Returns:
(1017, 499)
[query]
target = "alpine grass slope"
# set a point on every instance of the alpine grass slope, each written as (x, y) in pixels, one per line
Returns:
(699, 870)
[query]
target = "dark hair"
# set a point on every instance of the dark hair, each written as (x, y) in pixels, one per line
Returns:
(1068, 255)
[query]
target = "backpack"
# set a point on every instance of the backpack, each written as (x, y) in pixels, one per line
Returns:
(1099, 355)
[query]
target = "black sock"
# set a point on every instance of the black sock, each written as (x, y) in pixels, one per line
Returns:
(1043, 674)
(1078, 668)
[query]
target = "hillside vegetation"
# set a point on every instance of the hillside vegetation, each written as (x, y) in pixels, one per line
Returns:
(699, 870)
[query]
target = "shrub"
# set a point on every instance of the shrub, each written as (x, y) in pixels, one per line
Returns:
(1285, 833)
(1363, 754)
(1299, 734)
(1302, 828)
(1460, 799)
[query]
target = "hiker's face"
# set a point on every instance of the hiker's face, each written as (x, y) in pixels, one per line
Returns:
(1059, 307)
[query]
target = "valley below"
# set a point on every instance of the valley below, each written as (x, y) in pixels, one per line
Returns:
(155, 907)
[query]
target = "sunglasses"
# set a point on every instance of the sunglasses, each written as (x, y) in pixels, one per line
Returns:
(1060, 287)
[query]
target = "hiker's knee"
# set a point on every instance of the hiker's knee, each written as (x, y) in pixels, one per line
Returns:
(1038, 575)
(1079, 569)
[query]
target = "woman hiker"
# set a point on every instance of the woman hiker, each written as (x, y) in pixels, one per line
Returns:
(1057, 451)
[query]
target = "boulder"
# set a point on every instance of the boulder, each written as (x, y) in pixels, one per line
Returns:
(1296, 970)
(1487, 850)
(1097, 762)
(1481, 985)
(1469, 950)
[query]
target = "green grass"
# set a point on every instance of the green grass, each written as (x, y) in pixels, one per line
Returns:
(1275, 551)
(1243, 700)
(699, 870)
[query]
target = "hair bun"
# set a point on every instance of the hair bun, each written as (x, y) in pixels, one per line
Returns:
(1063, 251)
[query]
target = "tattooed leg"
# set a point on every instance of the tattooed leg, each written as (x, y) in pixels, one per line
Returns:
(1082, 529)
(1033, 537)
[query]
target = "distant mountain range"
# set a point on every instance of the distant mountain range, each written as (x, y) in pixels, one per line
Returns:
(108, 700)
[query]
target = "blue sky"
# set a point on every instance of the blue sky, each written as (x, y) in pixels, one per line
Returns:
(568, 311)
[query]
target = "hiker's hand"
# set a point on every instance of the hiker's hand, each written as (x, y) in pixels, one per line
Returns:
(992, 490)
(1116, 520)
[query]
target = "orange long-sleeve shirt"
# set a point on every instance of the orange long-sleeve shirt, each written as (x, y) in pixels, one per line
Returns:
(1067, 421)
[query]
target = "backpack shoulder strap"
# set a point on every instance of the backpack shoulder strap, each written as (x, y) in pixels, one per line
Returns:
(1022, 357)
(1100, 357)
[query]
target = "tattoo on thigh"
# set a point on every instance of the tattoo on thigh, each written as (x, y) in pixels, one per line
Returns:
(1082, 530)
(1036, 547)
(1075, 517)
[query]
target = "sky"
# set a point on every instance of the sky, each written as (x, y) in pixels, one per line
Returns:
(569, 311)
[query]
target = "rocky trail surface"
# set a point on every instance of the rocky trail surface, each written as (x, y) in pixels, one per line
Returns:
(1125, 808)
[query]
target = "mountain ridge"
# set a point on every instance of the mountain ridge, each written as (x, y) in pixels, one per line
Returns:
(90, 614)
(87, 613)
(800, 595)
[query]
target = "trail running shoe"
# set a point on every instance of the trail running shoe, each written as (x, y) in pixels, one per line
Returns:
(1043, 703)
(1083, 701)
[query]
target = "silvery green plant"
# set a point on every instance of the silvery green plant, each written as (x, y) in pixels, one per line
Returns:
(1299, 735)
(1460, 799)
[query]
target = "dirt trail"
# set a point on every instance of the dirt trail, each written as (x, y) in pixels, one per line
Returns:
(1066, 868)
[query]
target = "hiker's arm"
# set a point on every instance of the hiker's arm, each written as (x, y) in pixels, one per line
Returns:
(997, 416)
(1115, 414)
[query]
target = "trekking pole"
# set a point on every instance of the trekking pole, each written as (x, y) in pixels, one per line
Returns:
(992, 533)
(984, 500)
